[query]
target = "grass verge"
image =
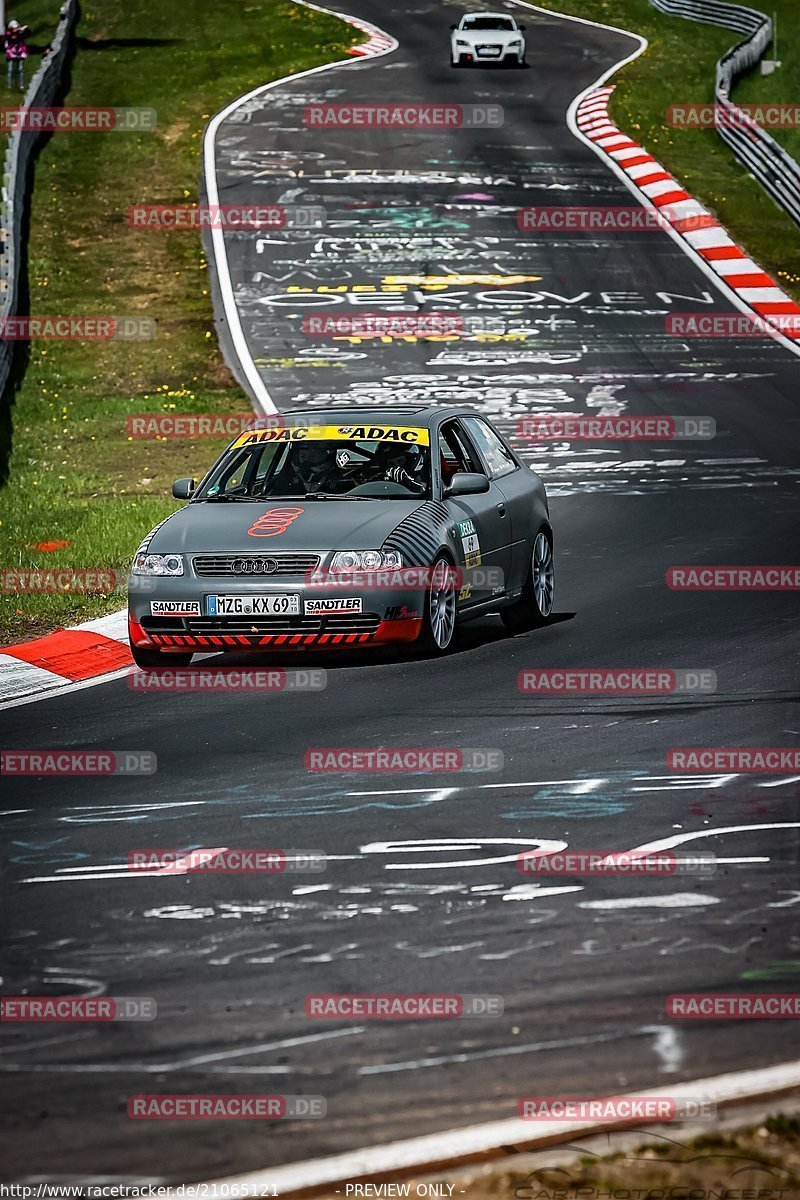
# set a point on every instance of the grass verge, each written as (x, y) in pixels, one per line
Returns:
(678, 67)
(79, 493)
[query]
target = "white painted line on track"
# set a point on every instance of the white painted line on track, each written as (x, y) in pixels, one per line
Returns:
(61, 688)
(190, 1063)
(387, 45)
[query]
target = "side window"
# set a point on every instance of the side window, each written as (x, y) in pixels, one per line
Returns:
(455, 454)
(495, 454)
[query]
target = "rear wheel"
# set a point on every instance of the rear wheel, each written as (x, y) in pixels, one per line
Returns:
(535, 605)
(439, 615)
(153, 660)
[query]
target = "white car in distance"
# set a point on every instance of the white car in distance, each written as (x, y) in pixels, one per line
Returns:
(487, 37)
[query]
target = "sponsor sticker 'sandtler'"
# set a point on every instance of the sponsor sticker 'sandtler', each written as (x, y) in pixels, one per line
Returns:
(331, 604)
(175, 608)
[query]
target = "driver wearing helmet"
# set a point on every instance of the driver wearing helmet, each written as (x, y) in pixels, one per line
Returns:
(310, 469)
(404, 465)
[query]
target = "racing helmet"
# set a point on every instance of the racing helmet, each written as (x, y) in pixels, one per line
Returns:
(311, 462)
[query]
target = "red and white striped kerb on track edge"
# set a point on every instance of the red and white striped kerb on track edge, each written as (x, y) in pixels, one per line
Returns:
(699, 227)
(66, 656)
(377, 42)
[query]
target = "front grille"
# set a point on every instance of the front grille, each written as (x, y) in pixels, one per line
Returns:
(248, 627)
(487, 47)
(245, 566)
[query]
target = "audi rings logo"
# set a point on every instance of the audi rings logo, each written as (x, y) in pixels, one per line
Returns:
(274, 521)
(254, 566)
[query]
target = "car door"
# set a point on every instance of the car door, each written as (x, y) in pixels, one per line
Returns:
(482, 524)
(517, 486)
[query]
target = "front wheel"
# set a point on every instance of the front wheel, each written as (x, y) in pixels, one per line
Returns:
(535, 605)
(439, 615)
(153, 660)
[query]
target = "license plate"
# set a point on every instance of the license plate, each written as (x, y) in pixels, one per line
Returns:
(489, 53)
(276, 604)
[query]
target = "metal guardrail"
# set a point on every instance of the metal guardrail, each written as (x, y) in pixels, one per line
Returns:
(43, 91)
(764, 158)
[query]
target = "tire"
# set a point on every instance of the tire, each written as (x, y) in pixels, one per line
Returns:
(150, 660)
(440, 609)
(535, 605)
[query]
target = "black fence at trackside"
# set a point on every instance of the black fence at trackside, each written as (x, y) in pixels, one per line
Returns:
(45, 90)
(768, 162)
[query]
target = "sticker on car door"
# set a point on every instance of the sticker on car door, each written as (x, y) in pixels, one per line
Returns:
(470, 543)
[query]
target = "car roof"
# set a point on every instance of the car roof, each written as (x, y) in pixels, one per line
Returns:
(402, 415)
(489, 14)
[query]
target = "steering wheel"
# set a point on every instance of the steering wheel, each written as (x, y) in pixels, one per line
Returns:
(380, 487)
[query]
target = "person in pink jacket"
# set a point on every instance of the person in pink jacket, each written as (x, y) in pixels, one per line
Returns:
(16, 52)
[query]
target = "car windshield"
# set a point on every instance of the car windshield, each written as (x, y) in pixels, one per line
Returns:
(329, 462)
(488, 23)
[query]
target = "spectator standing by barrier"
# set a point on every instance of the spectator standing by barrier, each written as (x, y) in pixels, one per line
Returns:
(16, 52)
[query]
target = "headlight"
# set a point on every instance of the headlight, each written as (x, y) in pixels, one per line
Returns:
(157, 564)
(366, 560)
(515, 42)
(461, 42)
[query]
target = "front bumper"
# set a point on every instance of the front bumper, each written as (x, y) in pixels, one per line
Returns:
(385, 616)
(473, 55)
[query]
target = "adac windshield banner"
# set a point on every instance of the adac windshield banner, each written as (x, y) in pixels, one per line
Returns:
(402, 434)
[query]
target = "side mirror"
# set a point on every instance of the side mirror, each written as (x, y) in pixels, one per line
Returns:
(467, 483)
(454, 27)
(184, 489)
(522, 28)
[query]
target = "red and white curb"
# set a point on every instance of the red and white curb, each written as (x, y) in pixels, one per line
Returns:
(64, 660)
(687, 217)
(458, 1147)
(377, 41)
